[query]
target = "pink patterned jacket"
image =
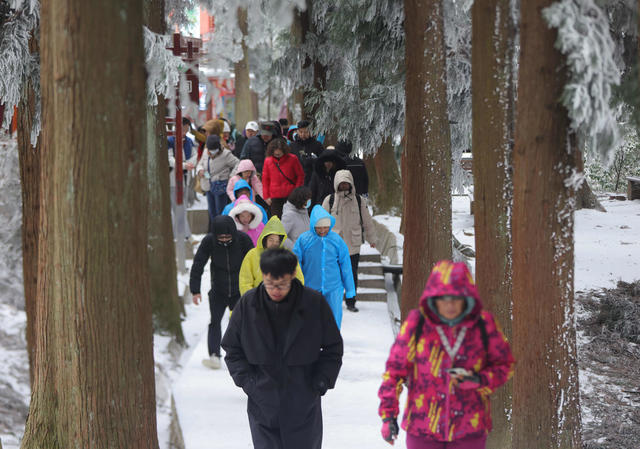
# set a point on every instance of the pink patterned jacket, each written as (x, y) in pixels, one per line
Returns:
(436, 409)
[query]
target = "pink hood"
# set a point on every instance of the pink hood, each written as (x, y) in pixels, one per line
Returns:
(449, 279)
(244, 165)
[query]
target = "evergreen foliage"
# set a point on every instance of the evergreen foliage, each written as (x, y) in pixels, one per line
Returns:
(18, 66)
(584, 38)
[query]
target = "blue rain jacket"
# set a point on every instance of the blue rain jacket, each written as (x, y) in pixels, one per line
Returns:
(326, 263)
(242, 184)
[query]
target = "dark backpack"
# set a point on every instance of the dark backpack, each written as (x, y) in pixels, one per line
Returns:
(332, 200)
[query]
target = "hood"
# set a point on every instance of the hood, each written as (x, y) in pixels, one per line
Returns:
(273, 226)
(244, 165)
(223, 224)
(454, 279)
(243, 204)
(242, 184)
(317, 213)
(343, 147)
(329, 155)
(291, 131)
(343, 176)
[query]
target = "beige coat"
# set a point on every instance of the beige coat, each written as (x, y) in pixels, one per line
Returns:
(345, 210)
(221, 167)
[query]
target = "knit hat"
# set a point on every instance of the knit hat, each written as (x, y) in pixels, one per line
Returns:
(213, 142)
(226, 128)
(323, 222)
(253, 126)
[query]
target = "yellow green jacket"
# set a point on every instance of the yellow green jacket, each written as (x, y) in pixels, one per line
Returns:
(250, 274)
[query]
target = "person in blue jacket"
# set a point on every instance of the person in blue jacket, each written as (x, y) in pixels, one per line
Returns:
(324, 258)
(238, 191)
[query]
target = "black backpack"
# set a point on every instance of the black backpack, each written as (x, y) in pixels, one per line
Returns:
(332, 198)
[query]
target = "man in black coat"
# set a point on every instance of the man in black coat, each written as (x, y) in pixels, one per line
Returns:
(255, 147)
(226, 247)
(307, 148)
(356, 166)
(284, 350)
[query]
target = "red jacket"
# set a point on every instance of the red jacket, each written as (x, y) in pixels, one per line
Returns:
(274, 183)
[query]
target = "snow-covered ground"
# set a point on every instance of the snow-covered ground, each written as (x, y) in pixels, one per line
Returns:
(212, 411)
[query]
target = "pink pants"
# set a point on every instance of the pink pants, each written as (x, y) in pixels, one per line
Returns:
(414, 442)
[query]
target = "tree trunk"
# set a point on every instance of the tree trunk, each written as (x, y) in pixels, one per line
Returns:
(545, 387)
(492, 109)
(93, 381)
(427, 166)
(385, 186)
(299, 28)
(243, 106)
(30, 182)
(165, 302)
(585, 198)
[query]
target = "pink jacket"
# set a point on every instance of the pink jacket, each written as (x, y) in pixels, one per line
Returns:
(255, 226)
(435, 408)
(256, 185)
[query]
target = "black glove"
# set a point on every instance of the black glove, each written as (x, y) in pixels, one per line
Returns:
(320, 385)
(389, 429)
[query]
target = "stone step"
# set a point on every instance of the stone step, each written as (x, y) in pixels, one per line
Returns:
(370, 258)
(370, 268)
(369, 281)
(372, 294)
(198, 220)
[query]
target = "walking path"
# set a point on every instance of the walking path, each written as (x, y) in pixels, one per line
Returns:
(212, 410)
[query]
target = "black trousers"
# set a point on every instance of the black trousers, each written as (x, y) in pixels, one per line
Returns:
(355, 260)
(217, 306)
(276, 206)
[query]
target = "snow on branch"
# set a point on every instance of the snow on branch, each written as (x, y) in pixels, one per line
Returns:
(17, 65)
(163, 67)
(584, 39)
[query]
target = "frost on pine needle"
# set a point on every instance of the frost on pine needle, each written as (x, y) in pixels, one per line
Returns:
(163, 67)
(585, 40)
(17, 65)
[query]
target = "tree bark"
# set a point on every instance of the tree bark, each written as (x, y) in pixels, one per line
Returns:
(493, 35)
(427, 149)
(545, 387)
(165, 301)
(299, 28)
(93, 381)
(243, 106)
(29, 157)
(385, 186)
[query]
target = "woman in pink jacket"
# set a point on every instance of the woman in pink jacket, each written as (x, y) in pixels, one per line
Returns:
(247, 171)
(460, 358)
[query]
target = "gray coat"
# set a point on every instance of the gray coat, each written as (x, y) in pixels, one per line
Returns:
(294, 220)
(220, 168)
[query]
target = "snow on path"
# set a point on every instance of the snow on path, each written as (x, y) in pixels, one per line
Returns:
(212, 410)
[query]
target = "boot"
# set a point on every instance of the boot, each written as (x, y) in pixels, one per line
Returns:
(351, 304)
(212, 362)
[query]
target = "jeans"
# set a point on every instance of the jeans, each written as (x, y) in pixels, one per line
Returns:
(216, 202)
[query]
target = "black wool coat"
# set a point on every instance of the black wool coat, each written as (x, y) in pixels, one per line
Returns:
(255, 149)
(225, 260)
(284, 379)
(307, 151)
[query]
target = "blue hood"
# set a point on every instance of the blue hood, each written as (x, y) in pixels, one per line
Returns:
(317, 213)
(242, 184)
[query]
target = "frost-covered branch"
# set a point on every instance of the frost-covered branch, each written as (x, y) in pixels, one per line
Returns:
(17, 65)
(163, 67)
(585, 40)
